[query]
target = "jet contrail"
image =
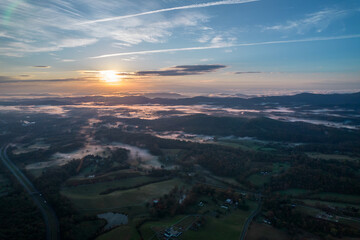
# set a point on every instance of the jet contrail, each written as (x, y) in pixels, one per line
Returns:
(200, 5)
(227, 46)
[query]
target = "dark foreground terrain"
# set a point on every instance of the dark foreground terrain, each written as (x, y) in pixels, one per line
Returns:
(133, 167)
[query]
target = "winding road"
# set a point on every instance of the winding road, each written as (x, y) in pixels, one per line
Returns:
(249, 220)
(50, 219)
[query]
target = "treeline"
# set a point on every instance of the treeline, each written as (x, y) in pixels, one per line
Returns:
(110, 190)
(227, 161)
(282, 214)
(19, 216)
(49, 183)
(320, 175)
(178, 200)
(345, 147)
(221, 160)
(152, 143)
(261, 128)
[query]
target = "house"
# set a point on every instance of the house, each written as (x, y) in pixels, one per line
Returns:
(267, 221)
(171, 233)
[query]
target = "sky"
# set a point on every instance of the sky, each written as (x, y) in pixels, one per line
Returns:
(197, 47)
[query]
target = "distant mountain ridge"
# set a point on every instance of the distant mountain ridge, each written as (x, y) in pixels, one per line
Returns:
(352, 99)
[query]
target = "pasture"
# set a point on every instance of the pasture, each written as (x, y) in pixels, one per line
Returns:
(88, 199)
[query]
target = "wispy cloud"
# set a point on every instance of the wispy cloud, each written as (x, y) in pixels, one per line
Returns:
(200, 5)
(227, 46)
(57, 25)
(249, 72)
(6, 79)
(182, 70)
(41, 66)
(68, 60)
(317, 20)
(54, 26)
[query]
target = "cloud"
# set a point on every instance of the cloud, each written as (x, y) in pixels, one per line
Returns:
(68, 60)
(317, 20)
(182, 70)
(200, 5)
(54, 26)
(41, 66)
(76, 42)
(7, 79)
(251, 72)
(227, 46)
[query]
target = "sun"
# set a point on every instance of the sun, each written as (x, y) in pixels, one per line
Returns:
(110, 76)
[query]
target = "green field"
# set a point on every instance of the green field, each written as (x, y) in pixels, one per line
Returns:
(36, 172)
(246, 145)
(294, 192)
(334, 204)
(87, 229)
(90, 200)
(259, 179)
(336, 197)
(125, 232)
(331, 156)
(225, 227)
(147, 228)
(97, 188)
(264, 231)
(223, 181)
(280, 167)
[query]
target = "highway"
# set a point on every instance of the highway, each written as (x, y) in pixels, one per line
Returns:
(50, 219)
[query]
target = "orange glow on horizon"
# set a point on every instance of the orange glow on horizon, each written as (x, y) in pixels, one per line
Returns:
(110, 76)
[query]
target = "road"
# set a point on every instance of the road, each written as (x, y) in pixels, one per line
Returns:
(50, 219)
(249, 220)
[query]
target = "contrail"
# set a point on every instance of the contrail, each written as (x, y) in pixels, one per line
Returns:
(200, 5)
(227, 46)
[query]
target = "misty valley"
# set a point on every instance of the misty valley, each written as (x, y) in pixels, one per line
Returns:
(136, 167)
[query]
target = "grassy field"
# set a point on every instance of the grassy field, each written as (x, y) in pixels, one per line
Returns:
(86, 230)
(109, 175)
(313, 203)
(246, 145)
(336, 197)
(331, 156)
(294, 192)
(308, 210)
(259, 179)
(147, 228)
(37, 172)
(349, 221)
(223, 181)
(126, 232)
(90, 200)
(263, 231)
(280, 167)
(225, 227)
(96, 188)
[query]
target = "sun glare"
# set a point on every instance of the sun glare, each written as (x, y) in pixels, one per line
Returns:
(110, 76)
